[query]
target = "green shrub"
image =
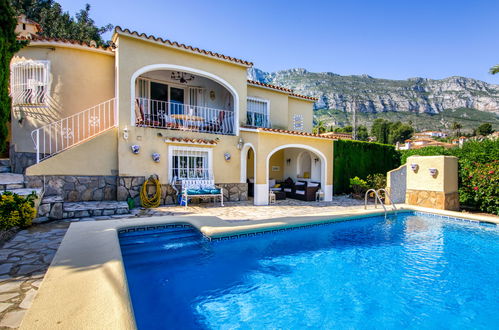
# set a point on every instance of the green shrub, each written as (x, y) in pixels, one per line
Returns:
(376, 181)
(479, 186)
(358, 186)
(357, 158)
(16, 210)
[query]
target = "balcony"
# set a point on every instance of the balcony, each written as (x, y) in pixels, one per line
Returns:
(185, 117)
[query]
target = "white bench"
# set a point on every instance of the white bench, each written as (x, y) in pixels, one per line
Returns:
(189, 185)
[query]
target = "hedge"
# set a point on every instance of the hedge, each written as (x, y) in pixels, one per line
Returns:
(357, 158)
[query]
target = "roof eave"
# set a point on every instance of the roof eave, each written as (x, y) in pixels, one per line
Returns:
(174, 45)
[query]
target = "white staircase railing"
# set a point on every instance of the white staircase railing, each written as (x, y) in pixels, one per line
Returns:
(60, 135)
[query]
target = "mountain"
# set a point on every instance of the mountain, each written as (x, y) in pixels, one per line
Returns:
(451, 99)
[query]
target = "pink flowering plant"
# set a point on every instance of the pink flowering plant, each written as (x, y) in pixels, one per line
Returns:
(479, 185)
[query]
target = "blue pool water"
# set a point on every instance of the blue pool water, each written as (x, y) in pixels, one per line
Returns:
(407, 272)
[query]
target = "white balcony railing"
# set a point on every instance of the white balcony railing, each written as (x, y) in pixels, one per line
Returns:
(171, 115)
(67, 132)
(258, 119)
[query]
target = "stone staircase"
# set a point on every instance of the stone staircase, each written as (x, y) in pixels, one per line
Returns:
(53, 207)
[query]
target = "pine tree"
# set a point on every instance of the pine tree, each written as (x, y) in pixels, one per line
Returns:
(59, 24)
(9, 45)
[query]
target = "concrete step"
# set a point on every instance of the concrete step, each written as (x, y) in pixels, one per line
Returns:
(26, 191)
(10, 181)
(5, 169)
(94, 209)
(4, 162)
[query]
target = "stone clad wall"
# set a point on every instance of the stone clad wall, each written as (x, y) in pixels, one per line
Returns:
(76, 188)
(111, 188)
(19, 161)
(433, 199)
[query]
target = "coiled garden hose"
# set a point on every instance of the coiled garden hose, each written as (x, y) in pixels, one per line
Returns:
(154, 200)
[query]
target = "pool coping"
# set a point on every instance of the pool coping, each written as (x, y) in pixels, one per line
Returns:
(85, 286)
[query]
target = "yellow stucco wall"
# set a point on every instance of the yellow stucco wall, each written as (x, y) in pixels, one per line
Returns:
(79, 79)
(278, 104)
(301, 107)
(277, 159)
(445, 181)
(266, 142)
(149, 142)
(94, 157)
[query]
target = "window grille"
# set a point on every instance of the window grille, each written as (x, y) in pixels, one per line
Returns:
(29, 82)
(258, 112)
(190, 163)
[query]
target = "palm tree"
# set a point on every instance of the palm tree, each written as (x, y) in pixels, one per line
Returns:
(494, 69)
(457, 128)
(320, 127)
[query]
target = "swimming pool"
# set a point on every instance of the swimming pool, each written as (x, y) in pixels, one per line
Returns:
(410, 271)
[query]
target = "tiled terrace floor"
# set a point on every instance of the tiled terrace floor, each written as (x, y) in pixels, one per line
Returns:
(26, 257)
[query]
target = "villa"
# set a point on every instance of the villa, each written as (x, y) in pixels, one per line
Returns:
(147, 106)
(91, 124)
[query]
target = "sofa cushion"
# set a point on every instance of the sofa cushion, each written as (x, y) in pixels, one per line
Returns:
(313, 184)
(300, 192)
(287, 189)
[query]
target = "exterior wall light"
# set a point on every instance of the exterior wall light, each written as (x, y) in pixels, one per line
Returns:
(135, 149)
(316, 160)
(125, 132)
(414, 167)
(155, 157)
(240, 143)
(227, 156)
(433, 171)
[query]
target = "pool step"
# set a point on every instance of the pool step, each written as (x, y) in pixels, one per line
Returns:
(160, 257)
(162, 231)
(161, 244)
(158, 237)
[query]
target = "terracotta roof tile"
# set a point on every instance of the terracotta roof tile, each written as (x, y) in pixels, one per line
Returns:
(66, 41)
(186, 140)
(254, 82)
(283, 131)
(283, 89)
(118, 29)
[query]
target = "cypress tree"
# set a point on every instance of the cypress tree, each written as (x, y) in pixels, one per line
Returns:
(9, 45)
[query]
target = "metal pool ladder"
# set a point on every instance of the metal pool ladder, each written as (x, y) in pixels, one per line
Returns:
(378, 198)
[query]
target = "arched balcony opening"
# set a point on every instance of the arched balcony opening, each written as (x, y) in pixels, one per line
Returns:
(182, 100)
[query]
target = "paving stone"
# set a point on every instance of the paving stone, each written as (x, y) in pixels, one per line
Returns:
(26, 269)
(7, 296)
(10, 286)
(4, 306)
(5, 268)
(12, 319)
(28, 299)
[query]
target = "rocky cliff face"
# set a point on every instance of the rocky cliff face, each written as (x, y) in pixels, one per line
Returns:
(372, 95)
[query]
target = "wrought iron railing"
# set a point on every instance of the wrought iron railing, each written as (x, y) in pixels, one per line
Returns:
(172, 115)
(58, 136)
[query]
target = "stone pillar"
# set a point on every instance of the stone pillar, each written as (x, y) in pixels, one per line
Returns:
(432, 181)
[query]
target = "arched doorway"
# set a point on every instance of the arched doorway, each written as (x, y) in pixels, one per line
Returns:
(248, 167)
(298, 162)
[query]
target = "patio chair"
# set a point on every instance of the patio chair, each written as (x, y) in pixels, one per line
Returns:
(216, 124)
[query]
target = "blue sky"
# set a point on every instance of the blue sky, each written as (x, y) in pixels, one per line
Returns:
(385, 39)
